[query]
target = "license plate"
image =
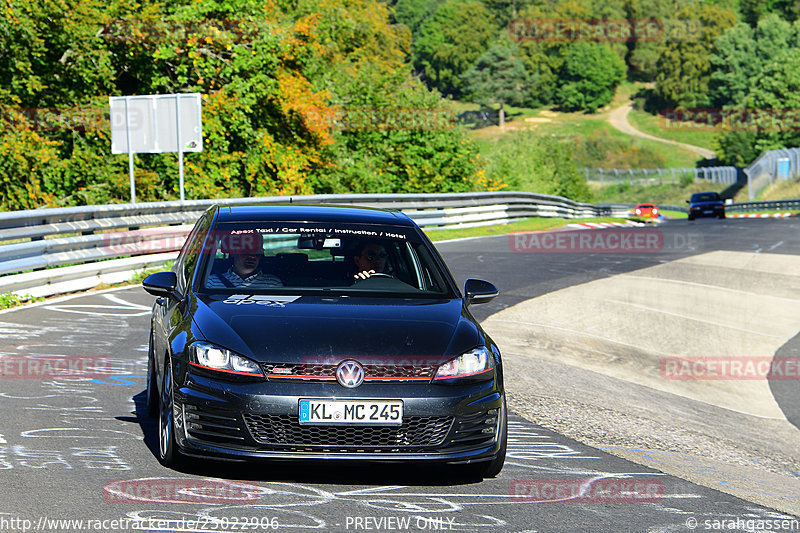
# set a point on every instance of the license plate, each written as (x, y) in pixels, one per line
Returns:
(708, 212)
(363, 412)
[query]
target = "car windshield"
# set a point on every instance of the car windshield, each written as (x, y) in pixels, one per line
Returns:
(705, 197)
(319, 257)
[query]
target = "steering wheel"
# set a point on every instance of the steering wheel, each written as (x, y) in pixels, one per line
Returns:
(380, 275)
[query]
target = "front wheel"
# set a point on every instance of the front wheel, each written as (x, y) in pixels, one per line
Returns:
(152, 388)
(168, 452)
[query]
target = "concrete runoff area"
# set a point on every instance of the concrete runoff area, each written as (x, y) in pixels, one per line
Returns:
(587, 361)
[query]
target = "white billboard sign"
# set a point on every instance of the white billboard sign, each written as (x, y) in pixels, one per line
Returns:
(156, 124)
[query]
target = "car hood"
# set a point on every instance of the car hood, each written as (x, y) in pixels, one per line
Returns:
(299, 329)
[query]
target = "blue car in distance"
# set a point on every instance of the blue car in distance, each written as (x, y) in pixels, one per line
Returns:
(706, 204)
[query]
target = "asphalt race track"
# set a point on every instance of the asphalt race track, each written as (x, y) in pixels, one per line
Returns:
(84, 450)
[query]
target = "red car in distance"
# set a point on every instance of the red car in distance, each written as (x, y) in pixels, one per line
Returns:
(646, 210)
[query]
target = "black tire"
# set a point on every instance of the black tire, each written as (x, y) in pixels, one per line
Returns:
(168, 453)
(691, 218)
(152, 388)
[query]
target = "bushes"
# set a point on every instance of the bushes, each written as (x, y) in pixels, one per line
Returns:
(276, 83)
(529, 162)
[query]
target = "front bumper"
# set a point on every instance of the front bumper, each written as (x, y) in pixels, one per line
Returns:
(453, 423)
(707, 211)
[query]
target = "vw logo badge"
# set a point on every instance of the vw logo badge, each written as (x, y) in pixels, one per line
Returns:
(350, 374)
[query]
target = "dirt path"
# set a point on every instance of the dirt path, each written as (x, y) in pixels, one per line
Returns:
(618, 118)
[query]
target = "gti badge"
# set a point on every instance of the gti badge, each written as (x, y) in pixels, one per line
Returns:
(350, 374)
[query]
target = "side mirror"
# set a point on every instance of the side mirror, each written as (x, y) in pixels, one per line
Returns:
(688, 202)
(161, 284)
(479, 291)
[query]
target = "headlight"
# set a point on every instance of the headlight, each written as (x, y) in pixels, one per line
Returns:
(210, 357)
(472, 363)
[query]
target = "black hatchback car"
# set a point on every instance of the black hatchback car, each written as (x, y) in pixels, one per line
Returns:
(321, 332)
(706, 204)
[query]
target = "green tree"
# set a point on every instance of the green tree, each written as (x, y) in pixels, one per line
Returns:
(643, 52)
(51, 55)
(498, 77)
(735, 64)
(589, 76)
(684, 69)
(755, 74)
(450, 42)
(753, 10)
(413, 12)
(277, 77)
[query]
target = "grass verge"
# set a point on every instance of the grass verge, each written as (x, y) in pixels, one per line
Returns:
(528, 224)
(655, 125)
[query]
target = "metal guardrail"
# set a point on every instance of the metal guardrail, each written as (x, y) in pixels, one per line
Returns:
(111, 242)
(727, 175)
(661, 207)
(54, 251)
(773, 205)
(769, 166)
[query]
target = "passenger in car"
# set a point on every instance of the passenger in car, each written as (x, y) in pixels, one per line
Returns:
(370, 259)
(245, 270)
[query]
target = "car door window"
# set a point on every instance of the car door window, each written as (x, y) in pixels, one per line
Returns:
(190, 253)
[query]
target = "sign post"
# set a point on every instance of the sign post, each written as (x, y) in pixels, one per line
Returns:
(156, 124)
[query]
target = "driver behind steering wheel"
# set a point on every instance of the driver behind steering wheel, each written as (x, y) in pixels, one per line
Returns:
(370, 259)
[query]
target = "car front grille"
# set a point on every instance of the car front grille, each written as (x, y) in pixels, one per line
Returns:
(285, 430)
(372, 372)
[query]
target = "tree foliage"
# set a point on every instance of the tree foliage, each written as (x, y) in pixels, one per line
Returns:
(756, 77)
(684, 69)
(589, 76)
(498, 76)
(282, 82)
(450, 41)
(530, 162)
